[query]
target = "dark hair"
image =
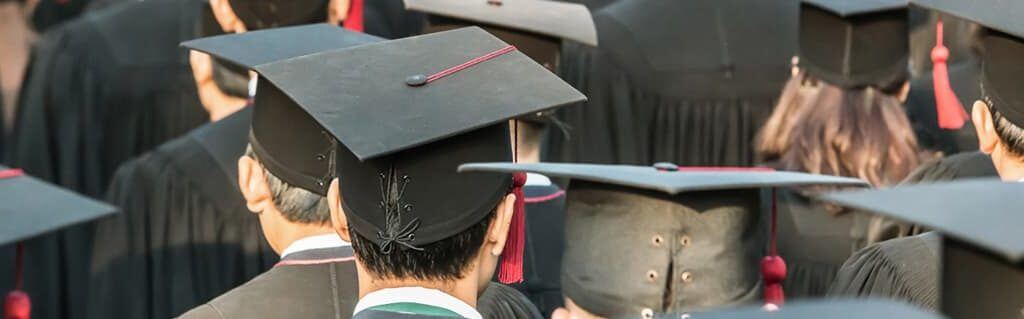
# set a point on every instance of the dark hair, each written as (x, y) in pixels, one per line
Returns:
(296, 204)
(443, 260)
(1009, 133)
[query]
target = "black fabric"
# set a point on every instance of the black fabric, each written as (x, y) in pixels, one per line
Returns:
(114, 86)
(688, 82)
(262, 14)
(327, 290)
(669, 253)
(503, 302)
(389, 19)
(185, 235)
(958, 166)
(904, 269)
(977, 283)
(920, 105)
(1000, 74)
(870, 48)
(814, 242)
(545, 241)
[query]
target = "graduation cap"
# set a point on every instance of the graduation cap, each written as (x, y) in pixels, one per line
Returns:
(287, 141)
(983, 247)
(262, 14)
(536, 27)
(31, 208)
(407, 112)
(665, 220)
(855, 43)
(832, 309)
(1002, 48)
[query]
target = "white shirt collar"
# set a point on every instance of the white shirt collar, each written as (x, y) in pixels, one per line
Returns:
(420, 295)
(314, 242)
(534, 179)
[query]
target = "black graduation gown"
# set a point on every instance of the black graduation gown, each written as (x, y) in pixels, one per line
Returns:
(389, 19)
(184, 235)
(688, 82)
(905, 269)
(814, 242)
(503, 302)
(116, 86)
(920, 105)
(317, 283)
(545, 236)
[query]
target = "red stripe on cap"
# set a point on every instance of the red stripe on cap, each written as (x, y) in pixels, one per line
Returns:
(470, 63)
(11, 172)
(539, 199)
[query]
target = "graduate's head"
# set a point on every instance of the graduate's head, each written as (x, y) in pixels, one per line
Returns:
(997, 116)
(775, 136)
(224, 87)
(282, 207)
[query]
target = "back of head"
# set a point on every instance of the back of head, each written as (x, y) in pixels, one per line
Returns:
(853, 132)
(296, 204)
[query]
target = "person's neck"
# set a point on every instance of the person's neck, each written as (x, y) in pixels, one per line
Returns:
(291, 232)
(528, 153)
(464, 289)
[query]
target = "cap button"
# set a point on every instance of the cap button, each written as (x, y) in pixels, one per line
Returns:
(416, 80)
(666, 167)
(494, 2)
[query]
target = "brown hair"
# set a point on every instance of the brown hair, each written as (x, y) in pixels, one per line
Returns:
(857, 132)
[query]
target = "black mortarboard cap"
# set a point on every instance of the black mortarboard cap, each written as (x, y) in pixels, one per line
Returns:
(1002, 49)
(262, 14)
(665, 220)
(855, 43)
(32, 207)
(407, 112)
(287, 141)
(983, 247)
(535, 27)
(818, 309)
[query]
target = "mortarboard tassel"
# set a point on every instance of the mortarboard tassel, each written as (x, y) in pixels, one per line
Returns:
(773, 268)
(951, 114)
(510, 270)
(17, 305)
(354, 20)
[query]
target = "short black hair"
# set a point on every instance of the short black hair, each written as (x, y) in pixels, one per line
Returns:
(443, 260)
(296, 204)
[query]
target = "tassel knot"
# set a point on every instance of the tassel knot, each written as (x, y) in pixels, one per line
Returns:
(773, 272)
(950, 113)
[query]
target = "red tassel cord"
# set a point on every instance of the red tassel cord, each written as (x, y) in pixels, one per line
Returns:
(951, 114)
(354, 20)
(773, 268)
(17, 304)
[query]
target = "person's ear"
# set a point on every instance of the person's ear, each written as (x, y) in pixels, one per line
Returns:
(253, 184)
(560, 313)
(226, 17)
(985, 128)
(904, 92)
(338, 219)
(497, 232)
(337, 11)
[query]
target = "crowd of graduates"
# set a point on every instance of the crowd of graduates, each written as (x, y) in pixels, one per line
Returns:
(511, 158)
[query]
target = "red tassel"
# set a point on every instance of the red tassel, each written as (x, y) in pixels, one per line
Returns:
(354, 20)
(773, 271)
(773, 268)
(17, 305)
(511, 269)
(951, 114)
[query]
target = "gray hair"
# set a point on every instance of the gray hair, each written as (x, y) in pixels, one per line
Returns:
(295, 203)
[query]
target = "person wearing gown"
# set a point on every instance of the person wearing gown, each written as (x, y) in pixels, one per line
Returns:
(686, 82)
(839, 114)
(541, 39)
(995, 117)
(185, 217)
